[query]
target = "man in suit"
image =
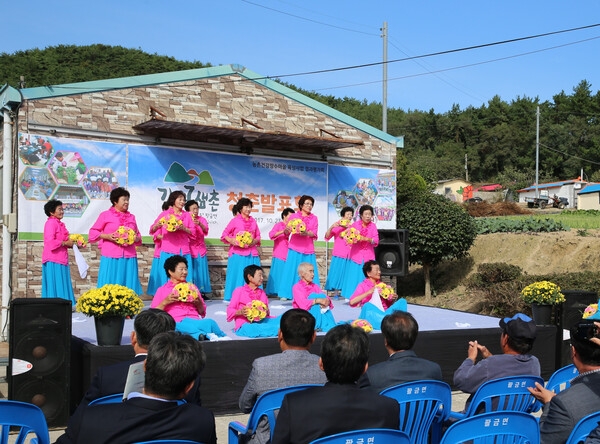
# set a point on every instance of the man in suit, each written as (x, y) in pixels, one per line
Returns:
(171, 368)
(563, 410)
(294, 365)
(400, 330)
(339, 405)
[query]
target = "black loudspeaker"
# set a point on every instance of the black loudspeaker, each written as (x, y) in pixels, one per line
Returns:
(39, 355)
(572, 309)
(392, 252)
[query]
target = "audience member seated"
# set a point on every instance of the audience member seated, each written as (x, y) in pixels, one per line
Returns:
(400, 330)
(516, 341)
(293, 366)
(339, 405)
(309, 296)
(563, 410)
(172, 365)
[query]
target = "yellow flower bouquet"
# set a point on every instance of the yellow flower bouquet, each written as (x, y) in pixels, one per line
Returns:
(78, 239)
(125, 235)
(172, 223)
(186, 292)
(385, 291)
(297, 226)
(244, 239)
(351, 236)
(362, 323)
(344, 222)
(591, 311)
(258, 311)
(109, 300)
(542, 292)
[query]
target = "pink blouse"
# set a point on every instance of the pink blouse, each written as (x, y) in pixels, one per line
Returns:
(174, 242)
(109, 222)
(179, 310)
(340, 247)
(280, 242)
(363, 287)
(197, 244)
(364, 251)
(55, 232)
(241, 297)
(237, 224)
(304, 244)
(302, 290)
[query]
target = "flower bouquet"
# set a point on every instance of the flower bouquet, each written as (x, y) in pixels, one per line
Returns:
(186, 292)
(172, 222)
(297, 226)
(244, 239)
(351, 236)
(344, 222)
(591, 311)
(109, 300)
(385, 291)
(125, 235)
(258, 311)
(543, 293)
(362, 323)
(78, 239)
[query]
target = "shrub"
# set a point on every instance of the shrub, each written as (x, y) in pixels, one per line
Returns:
(492, 273)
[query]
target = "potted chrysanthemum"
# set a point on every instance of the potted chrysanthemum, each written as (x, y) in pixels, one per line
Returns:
(542, 296)
(109, 305)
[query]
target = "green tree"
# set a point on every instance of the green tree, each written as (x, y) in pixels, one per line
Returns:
(438, 229)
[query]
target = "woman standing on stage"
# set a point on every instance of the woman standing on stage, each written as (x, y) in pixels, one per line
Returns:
(56, 276)
(243, 237)
(176, 227)
(303, 227)
(280, 250)
(341, 251)
(117, 234)
(200, 275)
(361, 251)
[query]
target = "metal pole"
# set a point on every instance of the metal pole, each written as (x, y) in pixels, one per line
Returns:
(537, 152)
(384, 35)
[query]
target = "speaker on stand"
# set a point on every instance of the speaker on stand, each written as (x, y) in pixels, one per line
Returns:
(39, 355)
(392, 252)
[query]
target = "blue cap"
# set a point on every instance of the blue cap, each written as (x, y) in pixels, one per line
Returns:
(519, 326)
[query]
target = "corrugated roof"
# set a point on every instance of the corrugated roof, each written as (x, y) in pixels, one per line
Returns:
(592, 188)
(542, 186)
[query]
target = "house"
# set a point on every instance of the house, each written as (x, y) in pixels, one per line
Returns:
(589, 197)
(457, 190)
(566, 188)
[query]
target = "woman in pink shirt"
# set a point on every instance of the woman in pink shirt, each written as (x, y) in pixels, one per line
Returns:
(200, 276)
(309, 296)
(118, 261)
(301, 247)
(155, 271)
(188, 314)
(56, 276)
(175, 238)
(367, 290)
(361, 251)
(280, 250)
(241, 254)
(341, 251)
(238, 309)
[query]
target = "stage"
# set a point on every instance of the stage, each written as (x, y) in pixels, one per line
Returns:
(443, 338)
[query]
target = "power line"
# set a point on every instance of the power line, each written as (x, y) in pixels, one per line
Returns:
(569, 155)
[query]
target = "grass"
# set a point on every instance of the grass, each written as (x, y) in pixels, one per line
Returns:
(578, 220)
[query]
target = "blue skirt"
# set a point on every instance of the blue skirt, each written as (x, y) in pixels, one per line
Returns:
(155, 273)
(56, 281)
(235, 272)
(200, 276)
(161, 275)
(277, 266)
(374, 315)
(120, 271)
(336, 273)
(197, 327)
(268, 327)
(354, 275)
(290, 272)
(325, 321)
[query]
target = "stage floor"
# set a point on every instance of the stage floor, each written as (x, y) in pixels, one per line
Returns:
(429, 319)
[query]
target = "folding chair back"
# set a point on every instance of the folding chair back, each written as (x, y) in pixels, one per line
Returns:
(374, 436)
(561, 378)
(583, 428)
(27, 418)
(108, 399)
(494, 428)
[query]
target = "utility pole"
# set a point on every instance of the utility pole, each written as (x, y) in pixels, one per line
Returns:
(537, 152)
(384, 35)
(466, 169)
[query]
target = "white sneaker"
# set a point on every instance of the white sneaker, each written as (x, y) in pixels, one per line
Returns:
(212, 337)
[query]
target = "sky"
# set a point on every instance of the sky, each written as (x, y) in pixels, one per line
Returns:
(322, 45)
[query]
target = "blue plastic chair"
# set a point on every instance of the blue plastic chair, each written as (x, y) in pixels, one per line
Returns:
(561, 378)
(108, 399)
(424, 406)
(494, 427)
(502, 394)
(267, 405)
(583, 428)
(382, 436)
(27, 418)
(169, 441)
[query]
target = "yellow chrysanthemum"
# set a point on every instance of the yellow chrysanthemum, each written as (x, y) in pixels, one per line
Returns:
(109, 300)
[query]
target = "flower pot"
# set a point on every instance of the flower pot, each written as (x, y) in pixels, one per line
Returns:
(109, 329)
(542, 313)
